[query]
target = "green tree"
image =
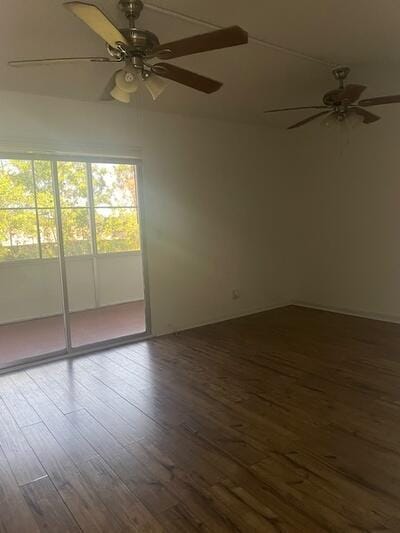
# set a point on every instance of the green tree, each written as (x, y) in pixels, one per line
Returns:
(18, 231)
(27, 208)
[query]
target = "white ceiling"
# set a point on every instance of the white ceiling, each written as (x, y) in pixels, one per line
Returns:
(362, 34)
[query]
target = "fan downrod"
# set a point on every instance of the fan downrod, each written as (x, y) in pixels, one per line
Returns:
(332, 98)
(132, 10)
(340, 74)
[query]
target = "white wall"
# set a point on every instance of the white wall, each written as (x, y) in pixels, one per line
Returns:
(32, 289)
(299, 216)
(215, 199)
(347, 204)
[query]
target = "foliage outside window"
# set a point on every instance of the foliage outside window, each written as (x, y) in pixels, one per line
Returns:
(98, 209)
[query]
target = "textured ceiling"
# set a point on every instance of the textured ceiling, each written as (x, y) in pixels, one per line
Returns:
(363, 35)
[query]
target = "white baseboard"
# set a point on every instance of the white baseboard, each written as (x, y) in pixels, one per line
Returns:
(224, 318)
(382, 317)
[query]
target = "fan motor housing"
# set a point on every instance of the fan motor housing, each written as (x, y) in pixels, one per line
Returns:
(141, 42)
(332, 98)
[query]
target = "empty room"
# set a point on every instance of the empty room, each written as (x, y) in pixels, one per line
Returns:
(199, 266)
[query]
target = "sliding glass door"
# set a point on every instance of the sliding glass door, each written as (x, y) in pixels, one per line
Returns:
(31, 303)
(71, 258)
(102, 247)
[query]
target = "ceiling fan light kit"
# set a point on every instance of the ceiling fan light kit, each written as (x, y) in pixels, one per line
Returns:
(155, 85)
(331, 121)
(127, 81)
(354, 120)
(343, 105)
(351, 120)
(139, 48)
(120, 96)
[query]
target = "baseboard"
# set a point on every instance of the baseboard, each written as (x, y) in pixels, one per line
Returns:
(223, 318)
(382, 317)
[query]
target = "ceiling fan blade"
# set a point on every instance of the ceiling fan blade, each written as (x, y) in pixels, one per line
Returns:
(369, 118)
(381, 100)
(306, 120)
(97, 21)
(53, 61)
(296, 108)
(186, 77)
(351, 93)
(215, 40)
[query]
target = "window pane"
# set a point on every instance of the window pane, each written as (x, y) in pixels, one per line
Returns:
(114, 185)
(48, 233)
(73, 184)
(117, 230)
(18, 234)
(76, 231)
(16, 184)
(44, 184)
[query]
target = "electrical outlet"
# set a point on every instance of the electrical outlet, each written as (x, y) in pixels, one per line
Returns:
(235, 294)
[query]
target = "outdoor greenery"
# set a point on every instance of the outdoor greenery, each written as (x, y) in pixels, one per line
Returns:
(27, 209)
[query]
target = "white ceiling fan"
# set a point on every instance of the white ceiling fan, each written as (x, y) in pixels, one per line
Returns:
(137, 49)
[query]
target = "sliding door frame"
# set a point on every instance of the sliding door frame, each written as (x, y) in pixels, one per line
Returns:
(69, 350)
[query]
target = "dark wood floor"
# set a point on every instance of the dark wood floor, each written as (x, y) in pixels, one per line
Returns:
(285, 421)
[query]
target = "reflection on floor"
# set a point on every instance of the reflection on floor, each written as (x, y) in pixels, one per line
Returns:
(46, 335)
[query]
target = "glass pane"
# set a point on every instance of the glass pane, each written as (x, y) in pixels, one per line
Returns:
(31, 310)
(117, 230)
(48, 233)
(72, 181)
(44, 184)
(76, 231)
(18, 234)
(114, 185)
(16, 184)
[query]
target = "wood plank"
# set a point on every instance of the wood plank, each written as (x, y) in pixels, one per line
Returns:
(191, 456)
(342, 491)
(15, 515)
(118, 379)
(16, 403)
(133, 473)
(118, 498)
(60, 379)
(23, 462)
(143, 425)
(328, 510)
(248, 517)
(48, 508)
(63, 397)
(109, 361)
(179, 519)
(71, 440)
(82, 500)
(192, 491)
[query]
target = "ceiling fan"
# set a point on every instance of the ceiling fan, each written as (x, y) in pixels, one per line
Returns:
(138, 48)
(343, 104)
